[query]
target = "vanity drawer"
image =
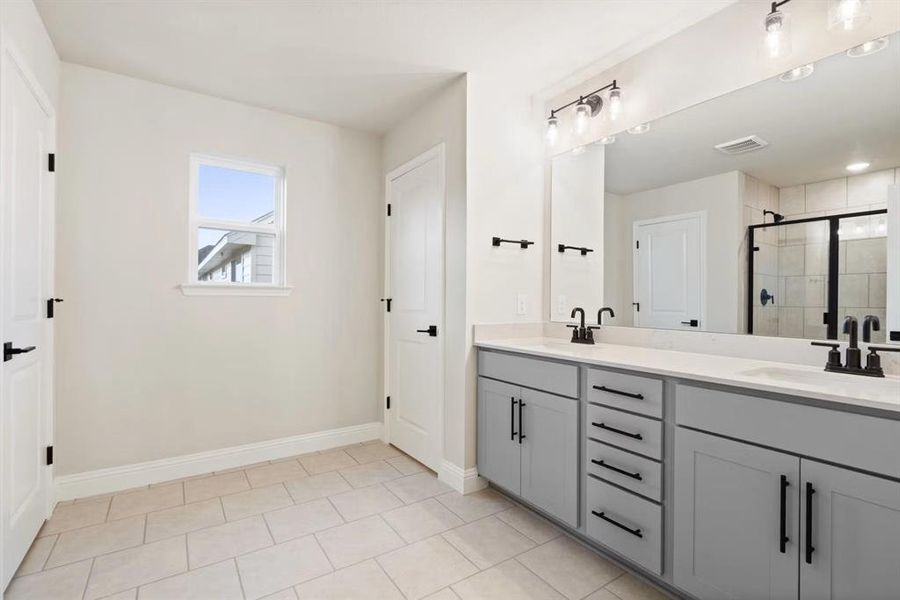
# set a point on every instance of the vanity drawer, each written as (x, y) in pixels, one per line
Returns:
(553, 377)
(640, 475)
(629, 392)
(625, 523)
(628, 431)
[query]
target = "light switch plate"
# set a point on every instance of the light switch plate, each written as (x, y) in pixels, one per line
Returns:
(521, 304)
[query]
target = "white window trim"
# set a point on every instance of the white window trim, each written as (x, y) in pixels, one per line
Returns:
(279, 287)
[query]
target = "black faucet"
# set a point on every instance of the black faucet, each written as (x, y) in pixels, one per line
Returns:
(870, 324)
(580, 333)
(600, 312)
(851, 327)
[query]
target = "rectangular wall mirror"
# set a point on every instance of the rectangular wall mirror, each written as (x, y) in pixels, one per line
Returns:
(767, 211)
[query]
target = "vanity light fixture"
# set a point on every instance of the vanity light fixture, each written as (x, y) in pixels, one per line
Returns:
(857, 167)
(639, 129)
(798, 73)
(847, 15)
(777, 24)
(867, 48)
(586, 107)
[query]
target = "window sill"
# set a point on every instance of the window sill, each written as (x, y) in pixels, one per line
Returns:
(213, 289)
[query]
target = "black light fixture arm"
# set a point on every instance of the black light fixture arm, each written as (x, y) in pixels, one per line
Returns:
(777, 5)
(608, 86)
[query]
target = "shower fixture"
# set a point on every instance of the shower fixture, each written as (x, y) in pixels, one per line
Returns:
(776, 217)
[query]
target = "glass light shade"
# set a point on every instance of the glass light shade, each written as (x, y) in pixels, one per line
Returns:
(615, 103)
(582, 117)
(552, 130)
(847, 15)
(777, 43)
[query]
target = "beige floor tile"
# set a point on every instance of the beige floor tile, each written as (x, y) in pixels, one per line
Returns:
(267, 571)
(131, 568)
(488, 542)
(326, 461)
(569, 567)
(211, 545)
(126, 595)
(406, 465)
(144, 501)
(370, 474)
(316, 486)
(425, 567)
(372, 452)
(64, 583)
(296, 521)
(507, 580)
(182, 519)
(87, 542)
(365, 580)
(446, 594)
(256, 501)
(476, 505)
(37, 555)
(74, 516)
(538, 529)
(217, 485)
(421, 520)
(364, 502)
(355, 542)
(275, 473)
(414, 488)
(629, 587)
(602, 594)
(215, 582)
(287, 594)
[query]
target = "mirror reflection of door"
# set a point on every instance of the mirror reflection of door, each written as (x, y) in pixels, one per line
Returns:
(669, 262)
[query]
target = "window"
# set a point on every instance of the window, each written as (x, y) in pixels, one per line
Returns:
(237, 236)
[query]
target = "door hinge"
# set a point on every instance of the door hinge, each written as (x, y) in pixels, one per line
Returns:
(50, 303)
(388, 209)
(388, 403)
(51, 162)
(637, 245)
(387, 302)
(637, 306)
(49, 455)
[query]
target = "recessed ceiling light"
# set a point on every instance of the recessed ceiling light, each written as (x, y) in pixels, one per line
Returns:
(639, 129)
(867, 48)
(798, 73)
(609, 139)
(857, 167)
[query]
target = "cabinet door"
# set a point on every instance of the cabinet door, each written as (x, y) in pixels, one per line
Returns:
(854, 536)
(550, 454)
(498, 442)
(729, 510)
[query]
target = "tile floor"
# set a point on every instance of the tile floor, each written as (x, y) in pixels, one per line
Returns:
(364, 521)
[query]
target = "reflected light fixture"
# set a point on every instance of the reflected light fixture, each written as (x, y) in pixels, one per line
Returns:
(798, 73)
(586, 107)
(578, 150)
(615, 102)
(639, 129)
(847, 15)
(777, 43)
(867, 48)
(607, 140)
(857, 167)
(582, 116)
(552, 129)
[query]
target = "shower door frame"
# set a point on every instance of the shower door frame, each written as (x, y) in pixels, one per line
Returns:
(834, 244)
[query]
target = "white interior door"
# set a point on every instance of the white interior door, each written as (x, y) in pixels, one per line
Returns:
(669, 272)
(415, 281)
(25, 267)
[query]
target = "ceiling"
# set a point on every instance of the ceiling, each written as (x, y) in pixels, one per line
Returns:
(358, 63)
(847, 111)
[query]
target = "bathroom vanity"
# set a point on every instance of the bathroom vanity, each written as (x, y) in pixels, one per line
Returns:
(717, 477)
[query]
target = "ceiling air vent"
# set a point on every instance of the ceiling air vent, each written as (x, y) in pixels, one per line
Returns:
(741, 145)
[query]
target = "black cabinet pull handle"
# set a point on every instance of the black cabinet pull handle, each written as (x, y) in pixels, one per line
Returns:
(783, 539)
(432, 330)
(600, 463)
(602, 515)
(809, 522)
(636, 436)
(521, 424)
(603, 388)
(9, 351)
(512, 418)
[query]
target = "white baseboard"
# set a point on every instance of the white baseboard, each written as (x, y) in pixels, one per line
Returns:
(464, 481)
(114, 479)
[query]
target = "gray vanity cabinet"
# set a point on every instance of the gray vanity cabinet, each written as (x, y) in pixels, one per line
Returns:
(498, 445)
(854, 534)
(728, 519)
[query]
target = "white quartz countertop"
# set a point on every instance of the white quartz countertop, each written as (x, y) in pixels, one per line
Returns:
(759, 375)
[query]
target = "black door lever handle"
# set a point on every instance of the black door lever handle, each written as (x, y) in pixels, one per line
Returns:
(432, 330)
(9, 351)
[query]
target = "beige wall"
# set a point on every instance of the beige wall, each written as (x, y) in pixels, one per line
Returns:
(443, 120)
(144, 372)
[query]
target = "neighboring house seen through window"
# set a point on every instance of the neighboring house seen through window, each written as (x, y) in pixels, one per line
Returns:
(237, 223)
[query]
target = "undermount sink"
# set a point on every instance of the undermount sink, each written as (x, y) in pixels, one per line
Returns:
(836, 382)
